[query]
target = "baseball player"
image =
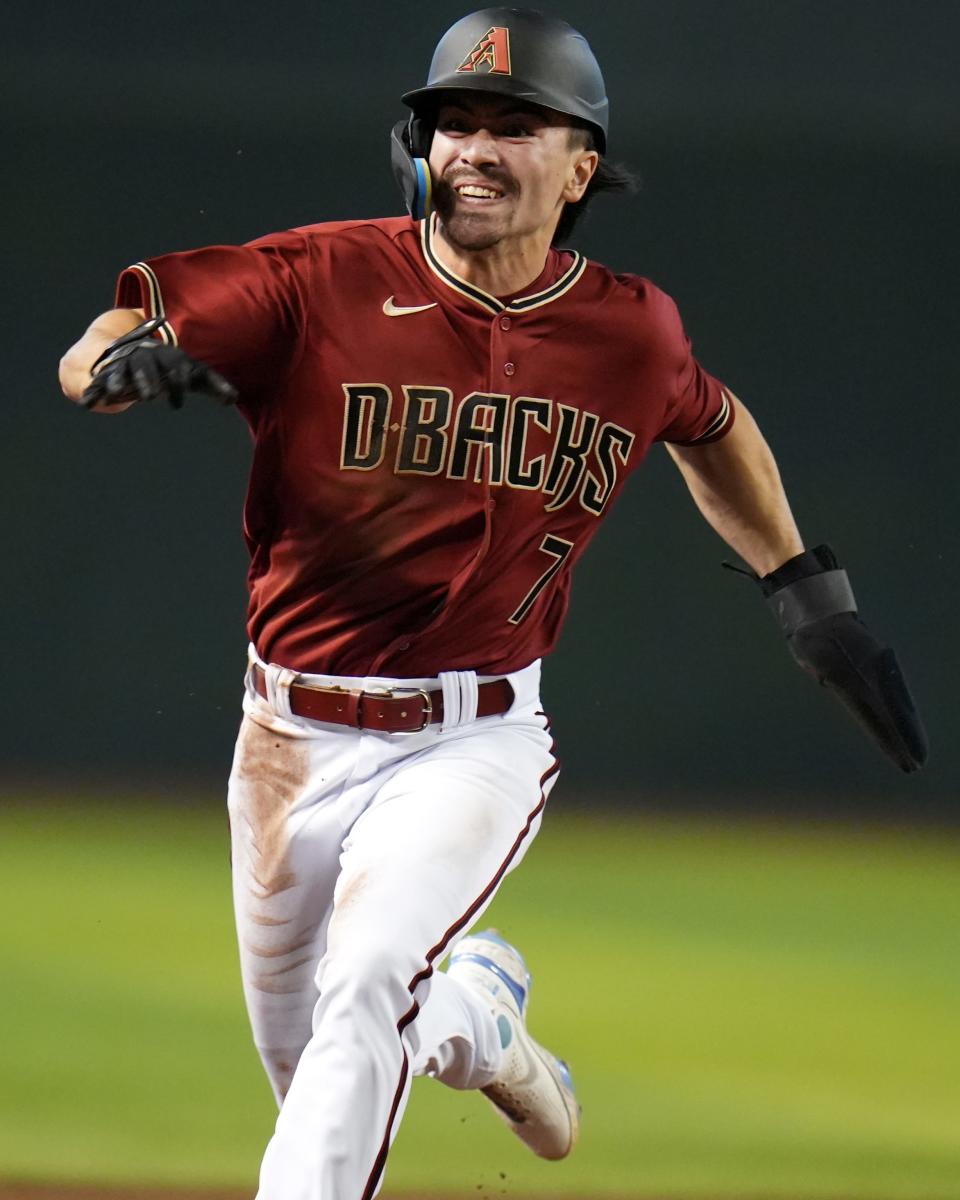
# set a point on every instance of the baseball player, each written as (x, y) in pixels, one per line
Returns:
(444, 406)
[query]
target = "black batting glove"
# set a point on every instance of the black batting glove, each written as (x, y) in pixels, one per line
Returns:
(136, 367)
(811, 599)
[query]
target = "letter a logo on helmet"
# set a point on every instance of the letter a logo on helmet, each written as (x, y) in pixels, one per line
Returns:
(491, 51)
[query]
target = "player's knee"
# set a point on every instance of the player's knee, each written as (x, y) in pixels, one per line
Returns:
(366, 970)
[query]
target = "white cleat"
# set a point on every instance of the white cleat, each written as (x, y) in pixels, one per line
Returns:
(533, 1091)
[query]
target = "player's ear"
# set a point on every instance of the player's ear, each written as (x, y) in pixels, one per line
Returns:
(582, 168)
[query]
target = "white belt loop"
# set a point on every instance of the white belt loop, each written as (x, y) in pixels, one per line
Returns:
(252, 657)
(469, 694)
(460, 692)
(450, 686)
(278, 680)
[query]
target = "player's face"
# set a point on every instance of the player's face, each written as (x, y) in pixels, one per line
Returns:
(503, 169)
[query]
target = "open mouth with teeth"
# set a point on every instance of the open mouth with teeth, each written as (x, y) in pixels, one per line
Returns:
(477, 191)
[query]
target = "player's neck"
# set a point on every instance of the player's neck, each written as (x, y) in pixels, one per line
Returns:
(501, 270)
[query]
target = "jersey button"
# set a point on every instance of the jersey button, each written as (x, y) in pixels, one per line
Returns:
(505, 323)
(509, 368)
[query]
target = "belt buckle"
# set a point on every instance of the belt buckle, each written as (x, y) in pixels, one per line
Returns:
(427, 707)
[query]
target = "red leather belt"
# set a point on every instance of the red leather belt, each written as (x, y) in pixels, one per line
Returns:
(388, 711)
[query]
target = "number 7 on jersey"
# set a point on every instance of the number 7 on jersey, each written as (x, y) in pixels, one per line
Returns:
(558, 549)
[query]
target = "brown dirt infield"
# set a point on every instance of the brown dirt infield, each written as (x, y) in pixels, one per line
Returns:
(10, 1190)
(71, 1191)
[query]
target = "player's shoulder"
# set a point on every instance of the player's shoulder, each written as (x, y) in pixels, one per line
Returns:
(372, 231)
(628, 290)
(364, 229)
(344, 245)
(633, 300)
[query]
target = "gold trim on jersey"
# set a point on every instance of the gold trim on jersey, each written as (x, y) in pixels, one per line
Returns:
(436, 435)
(523, 474)
(155, 296)
(718, 422)
(364, 430)
(484, 299)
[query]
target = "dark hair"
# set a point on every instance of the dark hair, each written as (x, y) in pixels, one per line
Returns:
(608, 177)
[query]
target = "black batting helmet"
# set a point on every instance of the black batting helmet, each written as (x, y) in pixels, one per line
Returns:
(522, 53)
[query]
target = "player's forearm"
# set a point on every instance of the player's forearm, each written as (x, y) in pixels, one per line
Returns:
(76, 363)
(736, 486)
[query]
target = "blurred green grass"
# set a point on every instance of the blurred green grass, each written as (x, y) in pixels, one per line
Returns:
(749, 1010)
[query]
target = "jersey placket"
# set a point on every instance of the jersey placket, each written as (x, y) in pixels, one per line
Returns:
(502, 370)
(463, 578)
(497, 372)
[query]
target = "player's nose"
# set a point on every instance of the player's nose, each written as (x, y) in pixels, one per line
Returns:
(479, 147)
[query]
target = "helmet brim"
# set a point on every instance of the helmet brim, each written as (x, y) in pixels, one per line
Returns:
(431, 97)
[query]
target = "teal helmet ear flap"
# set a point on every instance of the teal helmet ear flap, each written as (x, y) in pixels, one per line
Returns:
(409, 148)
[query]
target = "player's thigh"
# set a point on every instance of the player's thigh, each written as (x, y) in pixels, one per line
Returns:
(286, 842)
(425, 859)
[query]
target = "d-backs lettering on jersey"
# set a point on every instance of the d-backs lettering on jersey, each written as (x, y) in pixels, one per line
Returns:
(484, 436)
(429, 460)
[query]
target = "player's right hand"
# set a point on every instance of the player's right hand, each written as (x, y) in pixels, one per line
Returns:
(136, 367)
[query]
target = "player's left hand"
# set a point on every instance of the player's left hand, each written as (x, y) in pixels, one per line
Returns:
(811, 598)
(136, 367)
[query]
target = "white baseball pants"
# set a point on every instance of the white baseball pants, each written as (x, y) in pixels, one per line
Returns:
(359, 858)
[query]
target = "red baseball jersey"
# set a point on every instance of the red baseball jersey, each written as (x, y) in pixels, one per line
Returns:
(429, 461)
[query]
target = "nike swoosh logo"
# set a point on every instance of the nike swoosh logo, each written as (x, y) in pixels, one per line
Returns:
(395, 310)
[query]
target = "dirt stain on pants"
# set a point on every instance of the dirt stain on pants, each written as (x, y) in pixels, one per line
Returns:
(270, 774)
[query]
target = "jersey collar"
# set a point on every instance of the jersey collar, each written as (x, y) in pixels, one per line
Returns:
(484, 299)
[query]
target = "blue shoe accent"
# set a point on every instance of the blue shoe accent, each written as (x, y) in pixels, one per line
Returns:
(565, 1074)
(518, 992)
(505, 1030)
(491, 935)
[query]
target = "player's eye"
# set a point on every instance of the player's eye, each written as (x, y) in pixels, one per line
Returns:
(516, 130)
(452, 125)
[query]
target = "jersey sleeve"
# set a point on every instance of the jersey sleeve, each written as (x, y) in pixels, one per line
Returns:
(240, 309)
(700, 409)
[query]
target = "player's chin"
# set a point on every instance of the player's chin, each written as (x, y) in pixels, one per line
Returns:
(473, 228)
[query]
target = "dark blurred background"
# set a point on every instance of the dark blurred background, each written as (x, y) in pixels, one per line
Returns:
(801, 166)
